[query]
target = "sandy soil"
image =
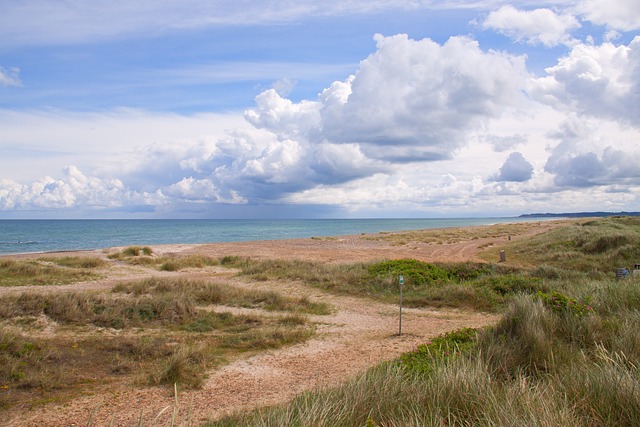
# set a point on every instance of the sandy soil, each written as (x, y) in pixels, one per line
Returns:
(359, 334)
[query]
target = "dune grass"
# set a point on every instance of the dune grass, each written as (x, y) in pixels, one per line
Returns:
(594, 247)
(165, 333)
(136, 255)
(568, 354)
(538, 366)
(453, 235)
(475, 286)
(49, 271)
(204, 292)
(566, 351)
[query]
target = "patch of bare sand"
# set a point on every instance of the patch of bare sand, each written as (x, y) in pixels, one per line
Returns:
(359, 334)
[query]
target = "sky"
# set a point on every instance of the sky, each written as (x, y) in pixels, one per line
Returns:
(307, 109)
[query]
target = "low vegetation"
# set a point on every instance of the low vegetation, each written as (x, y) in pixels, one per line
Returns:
(153, 331)
(566, 351)
(593, 247)
(454, 235)
(49, 271)
(136, 255)
(476, 286)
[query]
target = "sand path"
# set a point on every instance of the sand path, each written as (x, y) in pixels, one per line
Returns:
(358, 334)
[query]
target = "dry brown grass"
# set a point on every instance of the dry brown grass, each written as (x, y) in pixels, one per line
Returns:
(49, 271)
(455, 235)
(56, 346)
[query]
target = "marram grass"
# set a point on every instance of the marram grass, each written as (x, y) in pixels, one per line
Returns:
(565, 353)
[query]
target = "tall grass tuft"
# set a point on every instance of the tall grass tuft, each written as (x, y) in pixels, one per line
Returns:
(186, 366)
(606, 392)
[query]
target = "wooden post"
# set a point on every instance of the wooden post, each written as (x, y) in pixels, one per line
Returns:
(503, 256)
(401, 281)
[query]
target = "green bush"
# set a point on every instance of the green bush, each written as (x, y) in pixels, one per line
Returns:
(439, 350)
(562, 304)
(510, 284)
(415, 272)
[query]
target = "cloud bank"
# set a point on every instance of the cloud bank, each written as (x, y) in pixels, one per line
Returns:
(420, 126)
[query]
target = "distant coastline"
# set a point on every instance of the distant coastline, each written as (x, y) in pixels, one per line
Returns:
(578, 214)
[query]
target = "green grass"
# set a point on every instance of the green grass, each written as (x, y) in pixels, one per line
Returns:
(77, 261)
(538, 366)
(593, 247)
(475, 286)
(566, 351)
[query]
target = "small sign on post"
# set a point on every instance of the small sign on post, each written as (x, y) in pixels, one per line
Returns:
(401, 281)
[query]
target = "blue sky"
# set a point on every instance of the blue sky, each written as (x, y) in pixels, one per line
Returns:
(219, 109)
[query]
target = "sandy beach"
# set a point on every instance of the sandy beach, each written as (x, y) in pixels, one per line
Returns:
(358, 334)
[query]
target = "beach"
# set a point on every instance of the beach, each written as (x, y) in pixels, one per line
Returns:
(359, 332)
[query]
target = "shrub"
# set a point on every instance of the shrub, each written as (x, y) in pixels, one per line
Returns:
(415, 272)
(470, 270)
(439, 350)
(510, 284)
(562, 304)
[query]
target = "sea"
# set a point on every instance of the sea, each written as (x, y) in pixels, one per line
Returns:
(34, 236)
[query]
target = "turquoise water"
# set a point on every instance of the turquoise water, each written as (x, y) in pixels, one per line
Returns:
(22, 236)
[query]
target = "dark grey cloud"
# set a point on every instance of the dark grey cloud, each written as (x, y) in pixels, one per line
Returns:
(580, 170)
(583, 159)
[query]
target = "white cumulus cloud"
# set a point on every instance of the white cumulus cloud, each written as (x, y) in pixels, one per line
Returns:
(603, 81)
(74, 189)
(538, 26)
(417, 100)
(621, 15)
